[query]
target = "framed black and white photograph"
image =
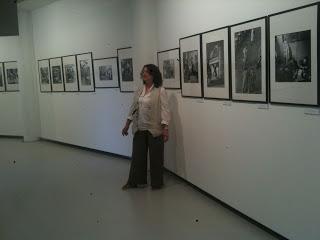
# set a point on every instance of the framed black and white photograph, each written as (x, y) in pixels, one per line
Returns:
(44, 75)
(249, 61)
(168, 63)
(106, 72)
(190, 63)
(126, 79)
(2, 82)
(215, 58)
(56, 74)
(70, 73)
(85, 72)
(11, 76)
(294, 56)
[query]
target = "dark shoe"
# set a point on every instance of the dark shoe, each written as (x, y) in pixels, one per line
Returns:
(128, 186)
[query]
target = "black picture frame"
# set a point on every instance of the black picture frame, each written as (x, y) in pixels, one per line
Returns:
(224, 95)
(39, 76)
(297, 87)
(59, 87)
(192, 49)
(83, 88)
(258, 97)
(66, 87)
(3, 87)
(125, 86)
(115, 72)
(166, 84)
(17, 85)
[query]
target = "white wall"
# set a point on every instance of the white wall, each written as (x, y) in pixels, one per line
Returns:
(19, 110)
(29, 90)
(10, 108)
(67, 27)
(265, 163)
(262, 162)
(144, 34)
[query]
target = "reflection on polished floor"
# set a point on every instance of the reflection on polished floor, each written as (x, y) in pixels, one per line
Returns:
(56, 192)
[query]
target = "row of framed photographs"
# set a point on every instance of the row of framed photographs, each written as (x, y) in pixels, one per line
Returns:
(70, 73)
(9, 78)
(82, 73)
(270, 59)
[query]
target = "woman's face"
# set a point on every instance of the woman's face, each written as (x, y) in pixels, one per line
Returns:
(146, 76)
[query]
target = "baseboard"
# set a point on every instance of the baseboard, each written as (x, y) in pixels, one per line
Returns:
(222, 203)
(237, 212)
(86, 148)
(10, 136)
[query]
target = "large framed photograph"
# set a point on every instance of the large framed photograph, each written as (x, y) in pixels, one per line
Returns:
(85, 72)
(56, 74)
(11, 76)
(168, 63)
(126, 80)
(106, 72)
(190, 65)
(215, 58)
(294, 55)
(2, 82)
(70, 73)
(44, 75)
(249, 61)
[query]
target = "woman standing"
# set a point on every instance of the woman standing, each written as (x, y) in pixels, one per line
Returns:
(150, 116)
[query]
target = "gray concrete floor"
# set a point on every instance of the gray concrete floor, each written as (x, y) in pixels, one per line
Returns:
(55, 192)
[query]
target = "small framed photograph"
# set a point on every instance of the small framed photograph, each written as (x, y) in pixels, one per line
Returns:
(106, 72)
(44, 75)
(126, 80)
(294, 51)
(168, 63)
(11, 76)
(70, 73)
(85, 72)
(190, 63)
(2, 82)
(56, 74)
(249, 61)
(215, 58)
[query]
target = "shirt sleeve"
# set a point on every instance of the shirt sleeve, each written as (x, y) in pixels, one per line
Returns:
(165, 111)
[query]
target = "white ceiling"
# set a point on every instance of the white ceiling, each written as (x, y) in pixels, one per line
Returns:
(33, 4)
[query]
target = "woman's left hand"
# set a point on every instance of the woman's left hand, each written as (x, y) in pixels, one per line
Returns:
(165, 134)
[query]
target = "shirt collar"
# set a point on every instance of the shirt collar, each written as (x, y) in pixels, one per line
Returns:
(144, 89)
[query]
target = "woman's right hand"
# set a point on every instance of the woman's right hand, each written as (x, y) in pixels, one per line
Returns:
(126, 128)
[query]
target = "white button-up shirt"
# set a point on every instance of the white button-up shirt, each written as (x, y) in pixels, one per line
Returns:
(145, 109)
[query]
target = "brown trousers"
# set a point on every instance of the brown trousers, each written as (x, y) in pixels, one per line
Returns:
(142, 142)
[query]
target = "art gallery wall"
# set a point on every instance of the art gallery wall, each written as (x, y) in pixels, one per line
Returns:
(66, 27)
(11, 123)
(260, 161)
(263, 162)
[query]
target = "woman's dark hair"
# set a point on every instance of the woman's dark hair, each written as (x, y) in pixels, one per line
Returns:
(155, 73)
